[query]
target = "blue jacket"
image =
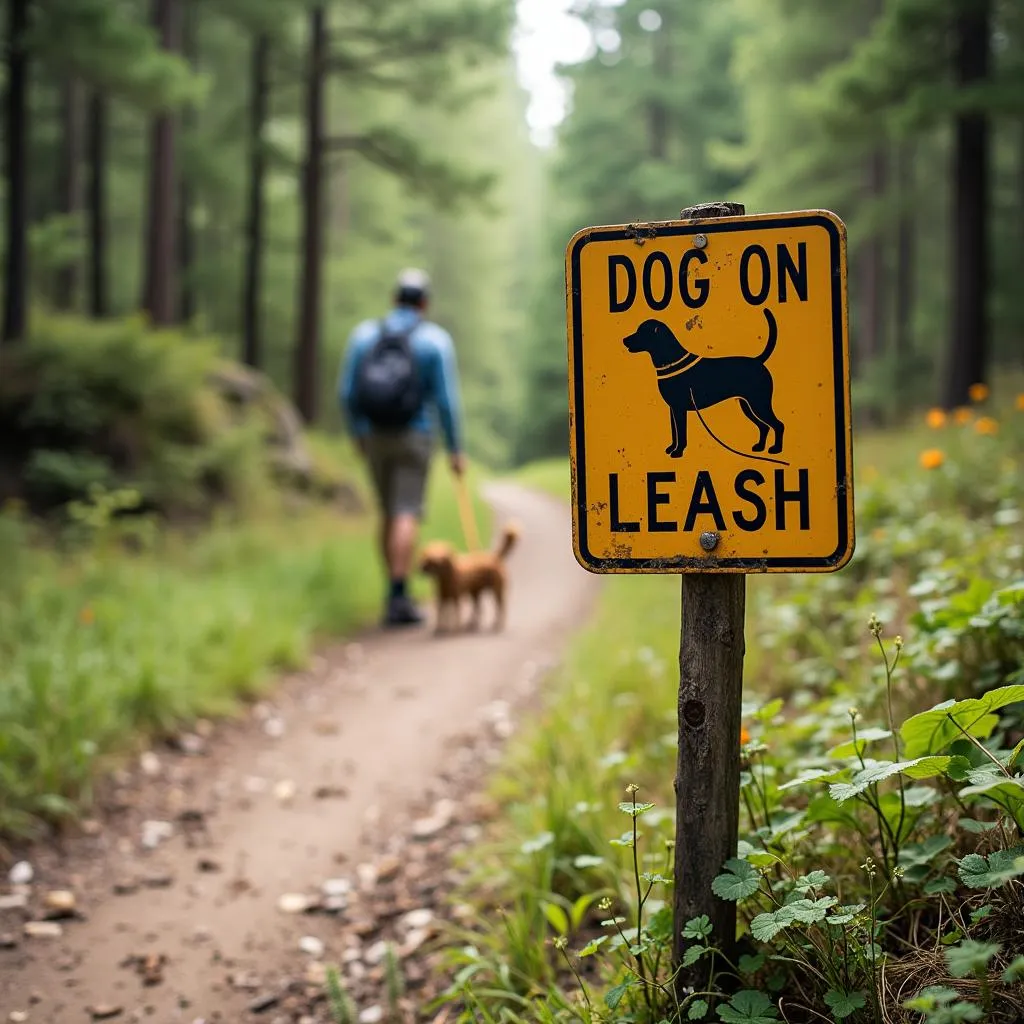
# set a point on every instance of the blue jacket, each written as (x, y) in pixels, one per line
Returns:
(435, 358)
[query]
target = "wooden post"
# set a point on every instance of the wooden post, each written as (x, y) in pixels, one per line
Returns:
(707, 783)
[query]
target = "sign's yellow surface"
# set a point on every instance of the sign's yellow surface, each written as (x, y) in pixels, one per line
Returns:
(709, 393)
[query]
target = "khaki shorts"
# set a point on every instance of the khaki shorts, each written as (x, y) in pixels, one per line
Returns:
(398, 465)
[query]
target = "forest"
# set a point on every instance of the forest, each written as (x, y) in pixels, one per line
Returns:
(201, 199)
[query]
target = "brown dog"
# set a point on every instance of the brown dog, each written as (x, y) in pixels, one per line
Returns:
(460, 575)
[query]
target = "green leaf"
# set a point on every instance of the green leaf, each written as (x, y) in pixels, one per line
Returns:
(693, 954)
(981, 913)
(1006, 793)
(634, 810)
(1015, 971)
(739, 881)
(698, 1010)
(751, 964)
(766, 926)
(697, 927)
(613, 996)
(842, 1004)
(557, 917)
(814, 880)
(845, 914)
(970, 957)
(864, 737)
(586, 860)
(937, 885)
(648, 876)
(918, 768)
(626, 839)
(935, 729)
(748, 1007)
(810, 911)
(659, 927)
(813, 775)
(925, 851)
(593, 946)
(990, 872)
(973, 825)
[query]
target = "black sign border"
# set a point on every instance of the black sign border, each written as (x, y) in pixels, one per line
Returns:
(845, 547)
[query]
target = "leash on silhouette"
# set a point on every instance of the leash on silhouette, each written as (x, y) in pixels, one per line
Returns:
(744, 455)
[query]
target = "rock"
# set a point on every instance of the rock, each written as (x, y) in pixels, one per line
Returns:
(440, 818)
(21, 874)
(336, 887)
(274, 728)
(155, 832)
(413, 940)
(315, 973)
(151, 968)
(125, 887)
(293, 903)
(244, 982)
(372, 1015)
(91, 827)
(43, 930)
(388, 867)
(208, 866)
(150, 764)
(376, 953)
(8, 941)
(419, 918)
(264, 1003)
(17, 1016)
(330, 793)
(285, 791)
(13, 901)
(158, 881)
(191, 744)
(312, 945)
(60, 903)
(104, 1012)
(367, 875)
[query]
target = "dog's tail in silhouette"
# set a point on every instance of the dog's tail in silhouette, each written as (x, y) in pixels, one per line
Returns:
(773, 336)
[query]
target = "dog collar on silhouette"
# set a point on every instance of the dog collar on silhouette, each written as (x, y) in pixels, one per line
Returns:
(679, 366)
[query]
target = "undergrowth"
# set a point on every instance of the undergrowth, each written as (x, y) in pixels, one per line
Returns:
(879, 875)
(116, 630)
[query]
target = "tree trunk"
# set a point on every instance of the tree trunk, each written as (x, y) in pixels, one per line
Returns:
(69, 200)
(160, 294)
(967, 361)
(97, 206)
(251, 342)
(873, 260)
(308, 342)
(186, 241)
(16, 160)
(657, 112)
(905, 263)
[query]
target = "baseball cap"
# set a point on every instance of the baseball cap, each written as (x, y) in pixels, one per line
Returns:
(412, 283)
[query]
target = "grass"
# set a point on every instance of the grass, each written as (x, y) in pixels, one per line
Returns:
(939, 558)
(103, 648)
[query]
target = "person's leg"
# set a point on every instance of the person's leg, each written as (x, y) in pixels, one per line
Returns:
(408, 482)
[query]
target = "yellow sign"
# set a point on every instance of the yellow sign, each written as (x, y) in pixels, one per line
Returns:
(709, 395)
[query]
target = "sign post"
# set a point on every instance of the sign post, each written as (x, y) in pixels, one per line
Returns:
(709, 397)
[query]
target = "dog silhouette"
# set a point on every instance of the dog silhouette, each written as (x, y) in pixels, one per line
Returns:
(689, 382)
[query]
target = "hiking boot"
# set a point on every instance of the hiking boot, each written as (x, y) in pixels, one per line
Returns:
(402, 611)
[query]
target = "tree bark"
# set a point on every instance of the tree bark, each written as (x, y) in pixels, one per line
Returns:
(160, 293)
(97, 206)
(905, 263)
(186, 239)
(967, 361)
(308, 342)
(871, 340)
(69, 199)
(16, 133)
(252, 353)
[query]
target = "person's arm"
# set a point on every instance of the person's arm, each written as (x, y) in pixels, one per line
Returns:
(357, 425)
(446, 393)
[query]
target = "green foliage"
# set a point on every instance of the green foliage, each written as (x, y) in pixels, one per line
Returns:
(877, 835)
(86, 405)
(124, 634)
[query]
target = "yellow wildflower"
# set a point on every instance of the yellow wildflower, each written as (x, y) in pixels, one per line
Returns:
(986, 425)
(932, 458)
(978, 392)
(936, 418)
(1020, 401)
(963, 415)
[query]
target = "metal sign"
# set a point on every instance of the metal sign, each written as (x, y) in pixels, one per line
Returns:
(709, 395)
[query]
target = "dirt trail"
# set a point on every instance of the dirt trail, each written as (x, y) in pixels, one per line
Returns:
(363, 738)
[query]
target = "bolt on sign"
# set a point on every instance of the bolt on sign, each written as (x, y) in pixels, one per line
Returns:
(709, 395)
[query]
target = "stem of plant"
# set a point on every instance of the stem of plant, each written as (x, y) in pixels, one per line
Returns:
(641, 967)
(981, 746)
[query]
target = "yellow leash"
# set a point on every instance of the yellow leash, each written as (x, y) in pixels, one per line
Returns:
(469, 529)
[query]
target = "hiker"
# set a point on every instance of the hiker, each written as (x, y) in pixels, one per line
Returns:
(397, 374)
